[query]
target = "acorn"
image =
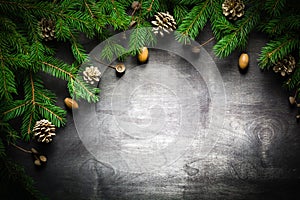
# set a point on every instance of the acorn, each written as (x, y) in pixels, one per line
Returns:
(243, 61)
(120, 69)
(196, 49)
(37, 162)
(43, 158)
(71, 103)
(143, 55)
(292, 100)
(34, 151)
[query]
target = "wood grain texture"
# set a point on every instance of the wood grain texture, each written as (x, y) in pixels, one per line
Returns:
(254, 156)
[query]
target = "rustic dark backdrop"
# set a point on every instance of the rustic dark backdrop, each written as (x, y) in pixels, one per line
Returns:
(255, 157)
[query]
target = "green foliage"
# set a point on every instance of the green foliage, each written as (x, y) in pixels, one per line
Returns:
(24, 54)
(274, 7)
(236, 34)
(277, 49)
(195, 20)
(279, 19)
(281, 25)
(14, 182)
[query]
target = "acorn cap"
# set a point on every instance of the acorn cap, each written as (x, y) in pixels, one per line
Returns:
(120, 68)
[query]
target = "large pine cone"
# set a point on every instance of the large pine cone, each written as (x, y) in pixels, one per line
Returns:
(164, 22)
(44, 131)
(48, 29)
(285, 66)
(233, 9)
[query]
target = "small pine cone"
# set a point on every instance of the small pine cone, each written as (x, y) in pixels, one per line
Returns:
(91, 74)
(47, 29)
(233, 9)
(164, 22)
(44, 131)
(285, 66)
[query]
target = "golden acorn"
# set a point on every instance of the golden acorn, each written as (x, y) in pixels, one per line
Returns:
(243, 61)
(292, 100)
(71, 103)
(37, 162)
(43, 158)
(143, 55)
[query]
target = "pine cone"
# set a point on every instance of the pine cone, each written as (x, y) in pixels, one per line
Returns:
(91, 74)
(233, 9)
(43, 131)
(285, 66)
(48, 29)
(164, 22)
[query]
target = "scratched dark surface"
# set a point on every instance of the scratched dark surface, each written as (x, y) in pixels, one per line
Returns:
(255, 154)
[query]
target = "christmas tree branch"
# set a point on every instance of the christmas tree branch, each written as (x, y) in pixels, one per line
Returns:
(238, 37)
(277, 49)
(77, 87)
(195, 20)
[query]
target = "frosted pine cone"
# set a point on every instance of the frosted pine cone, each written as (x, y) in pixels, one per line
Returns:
(91, 74)
(44, 131)
(233, 9)
(164, 22)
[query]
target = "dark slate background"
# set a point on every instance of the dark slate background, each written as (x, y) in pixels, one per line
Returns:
(245, 163)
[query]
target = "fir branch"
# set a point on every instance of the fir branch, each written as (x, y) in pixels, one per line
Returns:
(14, 181)
(112, 50)
(2, 149)
(274, 8)
(150, 7)
(277, 49)
(180, 11)
(294, 82)
(15, 109)
(77, 87)
(238, 38)
(78, 50)
(137, 40)
(34, 106)
(195, 20)
(282, 24)
(8, 134)
(141, 36)
(51, 112)
(220, 25)
(7, 81)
